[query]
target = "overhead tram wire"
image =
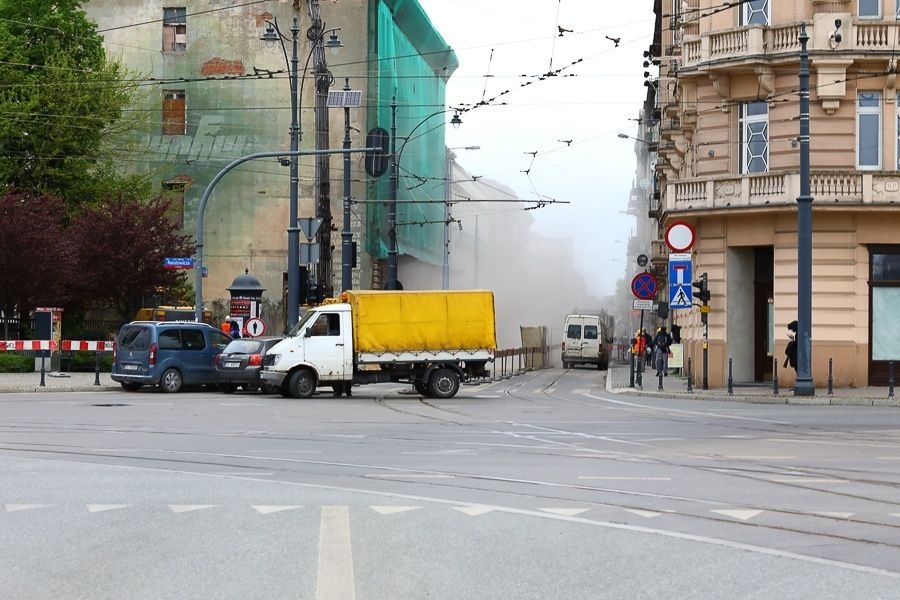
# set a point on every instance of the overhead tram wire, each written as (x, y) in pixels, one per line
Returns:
(193, 14)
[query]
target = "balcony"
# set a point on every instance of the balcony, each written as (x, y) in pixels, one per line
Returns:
(834, 187)
(763, 44)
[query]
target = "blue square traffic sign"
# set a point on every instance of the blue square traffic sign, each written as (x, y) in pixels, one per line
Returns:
(681, 293)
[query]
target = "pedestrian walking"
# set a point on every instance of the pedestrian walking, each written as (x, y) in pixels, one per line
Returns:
(662, 345)
(234, 330)
(790, 351)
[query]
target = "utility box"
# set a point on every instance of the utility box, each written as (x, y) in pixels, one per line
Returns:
(48, 326)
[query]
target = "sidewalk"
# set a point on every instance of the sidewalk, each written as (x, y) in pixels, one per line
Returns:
(674, 386)
(67, 382)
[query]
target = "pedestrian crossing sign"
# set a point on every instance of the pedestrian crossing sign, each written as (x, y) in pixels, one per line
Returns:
(681, 294)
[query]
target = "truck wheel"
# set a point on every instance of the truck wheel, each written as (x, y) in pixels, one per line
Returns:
(302, 384)
(171, 381)
(444, 383)
(422, 389)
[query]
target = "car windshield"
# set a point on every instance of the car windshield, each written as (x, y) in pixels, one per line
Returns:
(295, 330)
(244, 346)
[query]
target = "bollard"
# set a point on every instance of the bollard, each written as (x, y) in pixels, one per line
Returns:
(690, 377)
(830, 379)
(42, 369)
(631, 371)
(639, 384)
(97, 368)
(775, 377)
(891, 379)
(730, 379)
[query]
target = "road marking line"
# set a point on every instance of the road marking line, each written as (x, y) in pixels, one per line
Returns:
(801, 479)
(751, 457)
(461, 451)
(566, 512)
(334, 580)
(649, 514)
(249, 471)
(393, 510)
(473, 511)
(20, 507)
(887, 457)
(837, 515)
(702, 539)
(95, 508)
(183, 508)
(743, 515)
(615, 478)
(266, 509)
(407, 476)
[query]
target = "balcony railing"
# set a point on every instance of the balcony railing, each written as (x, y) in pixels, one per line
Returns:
(781, 40)
(848, 187)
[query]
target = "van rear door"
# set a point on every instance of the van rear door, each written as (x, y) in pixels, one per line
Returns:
(133, 350)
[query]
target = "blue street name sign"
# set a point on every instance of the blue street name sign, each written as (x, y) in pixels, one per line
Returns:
(681, 294)
(178, 263)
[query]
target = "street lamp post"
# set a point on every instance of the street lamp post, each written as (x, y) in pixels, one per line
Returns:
(293, 308)
(804, 383)
(346, 233)
(392, 282)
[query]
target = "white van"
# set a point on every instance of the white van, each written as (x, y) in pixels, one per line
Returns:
(585, 341)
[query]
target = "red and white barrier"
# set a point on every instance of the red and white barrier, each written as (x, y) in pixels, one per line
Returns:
(67, 345)
(88, 346)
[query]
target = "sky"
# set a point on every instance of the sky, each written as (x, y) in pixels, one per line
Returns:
(503, 44)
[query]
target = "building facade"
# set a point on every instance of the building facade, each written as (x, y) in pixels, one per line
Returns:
(215, 91)
(728, 165)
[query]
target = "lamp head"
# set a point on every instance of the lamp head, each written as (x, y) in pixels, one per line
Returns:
(334, 42)
(270, 35)
(456, 121)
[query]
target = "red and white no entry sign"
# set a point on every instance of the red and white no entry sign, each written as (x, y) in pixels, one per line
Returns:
(680, 236)
(255, 327)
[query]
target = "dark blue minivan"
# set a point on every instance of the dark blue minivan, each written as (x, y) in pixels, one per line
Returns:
(168, 354)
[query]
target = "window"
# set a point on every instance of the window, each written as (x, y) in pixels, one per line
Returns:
(134, 337)
(590, 332)
(574, 332)
(754, 131)
(870, 9)
(174, 29)
(192, 339)
(868, 130)
(173, 192)
(755, 12)
(169, 340)
(326, 324)
(174, 113)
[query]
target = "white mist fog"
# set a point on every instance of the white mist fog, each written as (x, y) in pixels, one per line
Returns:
(533, 278)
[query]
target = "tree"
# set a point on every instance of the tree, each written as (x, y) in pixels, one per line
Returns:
(35, 254)
(61, 104)
(120, 247)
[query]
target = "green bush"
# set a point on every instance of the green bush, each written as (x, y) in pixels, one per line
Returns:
(84, 360)
(11, 362)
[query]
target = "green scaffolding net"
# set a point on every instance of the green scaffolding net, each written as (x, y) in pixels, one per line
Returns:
(409, 60)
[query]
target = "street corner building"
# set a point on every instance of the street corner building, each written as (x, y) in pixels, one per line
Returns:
(217, 90)
(719, 148)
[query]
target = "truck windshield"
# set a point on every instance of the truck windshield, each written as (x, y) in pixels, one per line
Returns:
(295, 330)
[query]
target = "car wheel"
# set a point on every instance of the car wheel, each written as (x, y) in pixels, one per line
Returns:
(422, 389)
(131, 387)
(250, 387)
(302, 384)
(284, 391)
(444, 383)
(171, 381)
(226, 388)
(268, 388)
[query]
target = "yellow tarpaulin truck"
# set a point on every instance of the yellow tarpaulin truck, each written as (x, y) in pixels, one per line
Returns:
(431, 339)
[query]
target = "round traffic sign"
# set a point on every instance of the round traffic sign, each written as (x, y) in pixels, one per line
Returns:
(644, 285)
(255, 327)
(680, 236)
(642, 260)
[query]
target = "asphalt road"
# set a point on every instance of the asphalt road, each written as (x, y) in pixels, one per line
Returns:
(541, 486)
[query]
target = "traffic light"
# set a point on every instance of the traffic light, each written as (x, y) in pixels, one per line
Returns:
(376, 162)
(702, 289)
